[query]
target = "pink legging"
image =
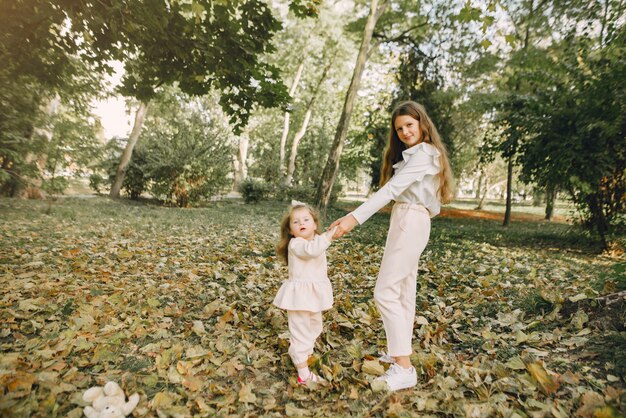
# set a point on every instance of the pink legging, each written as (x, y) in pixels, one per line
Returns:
(395, 290)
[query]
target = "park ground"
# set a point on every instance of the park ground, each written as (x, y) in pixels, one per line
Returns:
(175, 304)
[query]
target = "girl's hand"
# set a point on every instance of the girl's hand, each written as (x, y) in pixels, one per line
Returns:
(330, 232)
(344, 225)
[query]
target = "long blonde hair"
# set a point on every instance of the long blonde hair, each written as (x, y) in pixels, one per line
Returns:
(282, 249)
(429, 134)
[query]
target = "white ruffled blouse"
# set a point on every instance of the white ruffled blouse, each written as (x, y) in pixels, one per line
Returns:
(308, 287)
(414, 181)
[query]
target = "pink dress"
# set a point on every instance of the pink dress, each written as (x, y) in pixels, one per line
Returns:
(308, 287)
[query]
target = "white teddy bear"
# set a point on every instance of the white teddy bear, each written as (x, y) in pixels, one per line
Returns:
(109, 401)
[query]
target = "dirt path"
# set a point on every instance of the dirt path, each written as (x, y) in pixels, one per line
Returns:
(483, 214)
(497, 216)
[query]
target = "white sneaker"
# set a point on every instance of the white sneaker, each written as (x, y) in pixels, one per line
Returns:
(386, 358)
(399, 378)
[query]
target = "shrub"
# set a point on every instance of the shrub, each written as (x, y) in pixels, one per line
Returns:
(299, 192)
(253, 191)
(96, 182)
(303, 193)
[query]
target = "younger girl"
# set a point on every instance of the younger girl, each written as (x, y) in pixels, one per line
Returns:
(307, 292)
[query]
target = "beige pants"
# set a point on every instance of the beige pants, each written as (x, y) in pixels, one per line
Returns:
(304, 328)
(395, 290)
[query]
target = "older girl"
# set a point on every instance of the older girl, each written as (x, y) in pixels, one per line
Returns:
(417, 176)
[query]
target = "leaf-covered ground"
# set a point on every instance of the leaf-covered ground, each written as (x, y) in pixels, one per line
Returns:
(175, 304)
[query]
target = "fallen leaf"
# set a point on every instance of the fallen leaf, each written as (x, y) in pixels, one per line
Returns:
(246, 395)
(373, 367)
(547, 383)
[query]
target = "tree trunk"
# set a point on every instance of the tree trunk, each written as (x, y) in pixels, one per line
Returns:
(509, 181)
(550, 198)
(480, 183)
(283, 138)
(305, 123)
(294, 147)
(140, 116)
(241, 162)
(598, 219)
(332, 164)
(482, 200)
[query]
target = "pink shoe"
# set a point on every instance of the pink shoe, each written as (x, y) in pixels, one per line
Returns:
(312, 378)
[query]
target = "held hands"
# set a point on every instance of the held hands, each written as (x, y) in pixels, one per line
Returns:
(330, 232)
(343, 225)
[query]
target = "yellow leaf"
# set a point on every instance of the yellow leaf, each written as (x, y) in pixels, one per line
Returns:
(269, 403)
(373, 367)
(193, 383)
(154, 302)
(198, 328)
(246, 395)
(354, 393)
(162, 400)
(520, 337)
(202, 405)
(184, 367)
(378, 385)
(547, 383)
(590, 403)
(227, 317)
(151, 380)
(211, 308)
(395, 409)
(103, 354)
(420, 320)
(578, 297)
(293, 411)
(579, 319)
(19, 384)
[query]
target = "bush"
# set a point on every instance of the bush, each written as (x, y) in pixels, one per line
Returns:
(96, 182)
(55, 186)
(253, 191)
(287, 193)
(303, 193)
(135, 180)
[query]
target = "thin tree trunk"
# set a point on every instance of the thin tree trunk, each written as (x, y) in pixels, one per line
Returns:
(550, 198)
(480, 183)
(305, 123)
(140, 116)
(604, 21)
(283, 138)
(482, 200)
(599, 220)
(241, 163)
(332, 164)
(294, 147)
(509, 178)
(509, 181)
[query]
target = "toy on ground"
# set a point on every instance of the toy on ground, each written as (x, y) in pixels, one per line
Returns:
(109, 401)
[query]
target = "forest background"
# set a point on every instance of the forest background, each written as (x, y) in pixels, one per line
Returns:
(282, 100)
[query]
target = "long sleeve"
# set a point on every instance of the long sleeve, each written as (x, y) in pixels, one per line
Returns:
(309, 249)
(308, 287)
(421, 162)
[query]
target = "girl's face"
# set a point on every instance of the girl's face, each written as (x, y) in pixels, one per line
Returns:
(408, 130)
(302, 224)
